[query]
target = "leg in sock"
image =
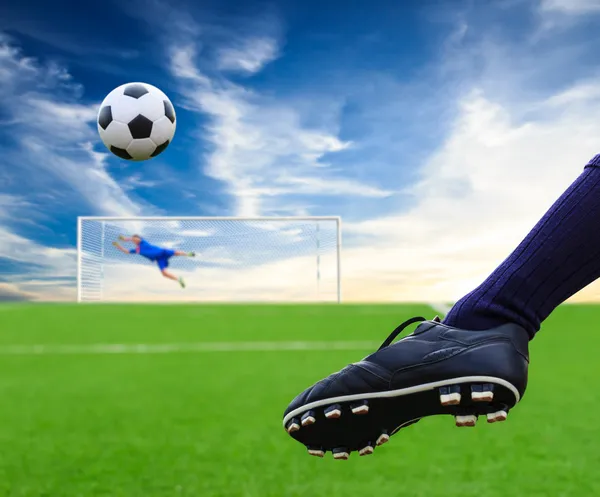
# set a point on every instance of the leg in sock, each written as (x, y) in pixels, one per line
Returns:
(559, 257)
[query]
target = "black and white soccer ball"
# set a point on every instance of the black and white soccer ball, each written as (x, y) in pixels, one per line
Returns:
(136, 121)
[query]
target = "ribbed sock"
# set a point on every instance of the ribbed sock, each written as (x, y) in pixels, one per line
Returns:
(559, 257)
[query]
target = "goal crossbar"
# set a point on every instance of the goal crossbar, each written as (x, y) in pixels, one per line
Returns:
(209, 218)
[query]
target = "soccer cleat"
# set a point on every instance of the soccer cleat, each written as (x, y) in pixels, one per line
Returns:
(293, 426)
(308, 419)
(315, 452)
(341, 453)
(435, 370)
(192, 254)
(366, 451)
(360, 408)
(482, 393)
(181, 282)
(381, 439)
(333, 412)
(450, 396)
(469, 420)
(496, 417)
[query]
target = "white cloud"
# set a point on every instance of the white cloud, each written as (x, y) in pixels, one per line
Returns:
(10, 292)
(136, 181)
(572, 7)
(249, 55)
(560, 14)
(9, 202)
(64, 122)
(83, 171)
(55, 136)
(50, 154)
(261, 149)
(330, 186)
(182, 65)
(44, 261)
(51, 290)
(480, 193)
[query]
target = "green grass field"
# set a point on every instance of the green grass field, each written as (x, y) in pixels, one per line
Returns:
(188, 420)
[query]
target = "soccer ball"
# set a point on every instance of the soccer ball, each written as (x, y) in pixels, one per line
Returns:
(136, 121)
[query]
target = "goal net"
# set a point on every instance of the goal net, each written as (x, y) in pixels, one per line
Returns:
(237, 259)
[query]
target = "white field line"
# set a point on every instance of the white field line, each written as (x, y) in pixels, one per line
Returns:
(173, 348)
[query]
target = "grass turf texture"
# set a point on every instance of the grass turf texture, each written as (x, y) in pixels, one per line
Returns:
(209, 423)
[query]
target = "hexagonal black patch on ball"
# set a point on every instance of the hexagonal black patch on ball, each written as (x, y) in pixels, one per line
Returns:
(105, 117)
(120, 152)
(140, 127)
(160, 148)
(169, 111)
(135, 91)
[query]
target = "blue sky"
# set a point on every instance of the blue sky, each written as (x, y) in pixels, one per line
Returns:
(454, 120)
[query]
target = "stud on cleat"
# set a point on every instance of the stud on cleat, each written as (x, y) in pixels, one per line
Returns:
(482, 393)
(469, 420)
(366, 451)
(450, 396)
(333, 412)
(308, 418)
(293, 426)
(361, 408)
(341, 453)
(316, 451)
(496, 417)
(383, 438)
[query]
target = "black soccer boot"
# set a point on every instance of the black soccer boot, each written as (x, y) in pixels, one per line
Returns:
(435, 370)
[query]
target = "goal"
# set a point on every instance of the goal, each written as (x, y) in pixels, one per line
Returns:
(268, 259)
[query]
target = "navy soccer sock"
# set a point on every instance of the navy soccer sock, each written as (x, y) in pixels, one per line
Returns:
(559, 257)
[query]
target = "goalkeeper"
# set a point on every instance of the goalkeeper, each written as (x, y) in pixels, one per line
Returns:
(160, 255)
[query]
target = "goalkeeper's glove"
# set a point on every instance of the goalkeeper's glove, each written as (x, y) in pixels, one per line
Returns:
(122, 238)
(116, 244)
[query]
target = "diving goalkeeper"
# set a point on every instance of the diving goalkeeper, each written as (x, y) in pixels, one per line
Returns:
(160, 255)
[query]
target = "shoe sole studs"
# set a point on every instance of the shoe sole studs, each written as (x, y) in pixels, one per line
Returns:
(482, 393)
(451, 399)
(341, 454)
(366, 451)
(361, 408)
(293, 427)
(450, 396)
(383, 438)
(497, 417)
(308, 418)
(333, 412)
(468, 421)
(316, 452)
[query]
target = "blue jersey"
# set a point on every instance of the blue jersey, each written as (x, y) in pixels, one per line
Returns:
(148, 251)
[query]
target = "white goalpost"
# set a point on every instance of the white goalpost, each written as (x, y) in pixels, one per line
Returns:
(259, 259)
